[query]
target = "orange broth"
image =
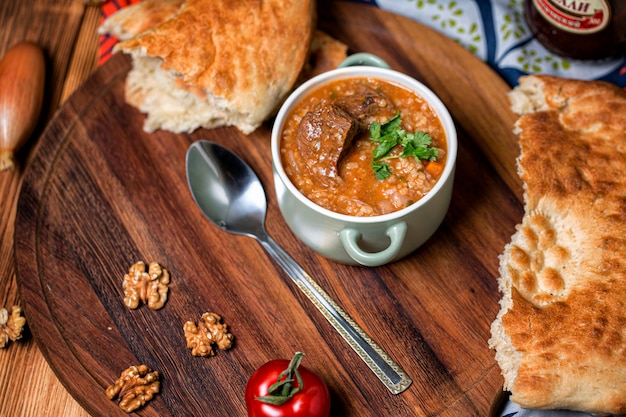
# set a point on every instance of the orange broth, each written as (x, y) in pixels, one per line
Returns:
(356, 191)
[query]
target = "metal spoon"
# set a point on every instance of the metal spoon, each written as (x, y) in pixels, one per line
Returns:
(232, 197)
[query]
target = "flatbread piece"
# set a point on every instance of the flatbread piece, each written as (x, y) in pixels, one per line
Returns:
(560, 336)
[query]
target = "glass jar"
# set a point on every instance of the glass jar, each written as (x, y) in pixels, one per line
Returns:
(592, 29)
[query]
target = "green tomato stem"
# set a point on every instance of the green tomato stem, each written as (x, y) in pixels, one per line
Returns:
(283, 390)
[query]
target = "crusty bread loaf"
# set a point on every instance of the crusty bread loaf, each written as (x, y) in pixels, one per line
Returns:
(139, 17)
(218, 62)
(325, 52)
(560, 336)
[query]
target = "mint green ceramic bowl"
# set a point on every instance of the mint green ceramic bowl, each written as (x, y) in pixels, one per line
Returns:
(368, 241)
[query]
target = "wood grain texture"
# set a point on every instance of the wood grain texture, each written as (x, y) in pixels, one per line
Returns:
(102, 194)
(28, 386)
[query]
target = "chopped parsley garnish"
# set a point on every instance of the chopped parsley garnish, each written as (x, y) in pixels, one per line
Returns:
(389, 135)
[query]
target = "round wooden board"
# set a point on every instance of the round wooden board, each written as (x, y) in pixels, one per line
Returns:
(102, 194)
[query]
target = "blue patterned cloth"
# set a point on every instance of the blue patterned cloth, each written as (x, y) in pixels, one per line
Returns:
(496, 32)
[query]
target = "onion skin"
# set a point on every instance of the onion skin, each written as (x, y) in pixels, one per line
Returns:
(22, 80)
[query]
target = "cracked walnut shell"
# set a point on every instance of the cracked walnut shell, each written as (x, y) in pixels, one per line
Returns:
(136, 386)
(11, 325)
(149, 287)
(208, 332)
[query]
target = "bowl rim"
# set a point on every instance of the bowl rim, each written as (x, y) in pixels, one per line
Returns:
(386, 74)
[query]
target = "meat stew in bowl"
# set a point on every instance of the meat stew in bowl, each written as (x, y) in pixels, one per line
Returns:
(363, 146)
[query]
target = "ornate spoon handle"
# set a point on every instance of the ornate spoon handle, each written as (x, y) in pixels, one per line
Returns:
(389, 372)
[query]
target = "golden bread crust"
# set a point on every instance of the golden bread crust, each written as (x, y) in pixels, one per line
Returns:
(248, 53)
(560, 337)
(139, 17)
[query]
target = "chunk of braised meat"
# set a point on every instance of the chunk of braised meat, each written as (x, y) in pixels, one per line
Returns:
(324, 138)
(326, 133)
(366, 105)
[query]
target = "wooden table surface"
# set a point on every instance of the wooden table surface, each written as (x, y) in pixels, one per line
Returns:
(66, 30)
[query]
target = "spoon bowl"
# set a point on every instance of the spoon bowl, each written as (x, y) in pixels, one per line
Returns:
(226, 189)
(232, 197)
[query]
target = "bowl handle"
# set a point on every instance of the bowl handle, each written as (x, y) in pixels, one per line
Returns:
(364, 58)
(350, 239)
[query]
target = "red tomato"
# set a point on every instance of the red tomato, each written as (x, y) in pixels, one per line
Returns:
(283, 388)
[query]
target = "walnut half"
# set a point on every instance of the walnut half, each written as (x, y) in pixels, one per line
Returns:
(135, 387)
(208, 332)
(11, 325)
(149, 287)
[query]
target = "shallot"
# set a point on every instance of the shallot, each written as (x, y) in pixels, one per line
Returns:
(22, 79)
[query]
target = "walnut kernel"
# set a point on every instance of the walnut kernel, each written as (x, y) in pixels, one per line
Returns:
(149, 287)
(135, 387)
(11, 325)
(208, 332)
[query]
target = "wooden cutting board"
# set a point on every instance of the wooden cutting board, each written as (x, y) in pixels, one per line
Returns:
(102, 194)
